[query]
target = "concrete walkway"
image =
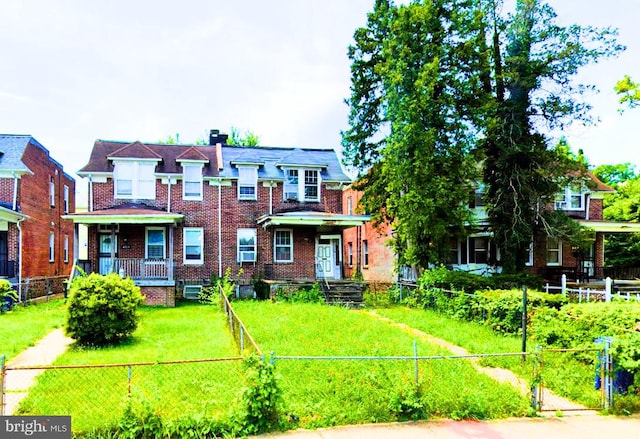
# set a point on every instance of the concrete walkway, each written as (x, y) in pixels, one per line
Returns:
(582, 427)
(43, 353)
(550, 401)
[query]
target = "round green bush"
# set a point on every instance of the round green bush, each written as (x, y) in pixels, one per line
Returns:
(101, 309)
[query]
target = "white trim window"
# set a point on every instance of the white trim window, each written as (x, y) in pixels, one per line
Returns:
(554, 251)
(291, 185)
(52, 192)
(349, 206)
(529, 261)
(247, 182)
(66, 198)
(350, 253)
(301, 184)
(52, 247)
(193, 239)
(134, 180)
(365, 253)
(155, 243)
(247, 245)
(192, 181)
(283, 245)
(572, 198)
(65, 248)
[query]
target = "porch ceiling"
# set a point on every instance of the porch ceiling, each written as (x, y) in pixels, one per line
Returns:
(611, 226)
(125, 216)
(312, 219)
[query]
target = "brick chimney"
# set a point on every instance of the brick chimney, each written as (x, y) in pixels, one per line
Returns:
(215, 137)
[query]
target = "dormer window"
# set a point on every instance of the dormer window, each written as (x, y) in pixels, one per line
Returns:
(247, 182)
(572, 198)
(135, 180)
(192, 181)
(301, 184)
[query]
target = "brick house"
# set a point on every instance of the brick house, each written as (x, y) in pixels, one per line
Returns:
(173, 215)
(548, 257)
(36, 243)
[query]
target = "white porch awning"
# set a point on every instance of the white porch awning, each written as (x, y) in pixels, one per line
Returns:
(611, 226)
(310, 218)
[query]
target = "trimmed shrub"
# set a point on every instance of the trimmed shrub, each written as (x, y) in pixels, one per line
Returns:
(102, 309)
(8, 296)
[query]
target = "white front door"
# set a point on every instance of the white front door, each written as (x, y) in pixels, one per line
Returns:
(324, 261)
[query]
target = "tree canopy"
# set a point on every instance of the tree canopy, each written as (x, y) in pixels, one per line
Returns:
(629, 91)
(448, 93)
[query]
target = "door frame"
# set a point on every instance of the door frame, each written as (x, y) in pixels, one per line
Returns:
(335, 249)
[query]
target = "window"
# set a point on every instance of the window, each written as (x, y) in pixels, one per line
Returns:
(247, 182)
(192, 182)
(155, 243)
(135, 180)
(454, 254)
(193, 245)
(52, 245)
(291, 184)
(297, 188)
(365, 253)
(350, 254)
(52, 192)
(572, 198)
(349, 206)
(65, 249)
(554, 251)
(529, 261)
(283, 246)
(66, 199)
(311, 185)
(479, 250)
(477, 198)
(246, 245)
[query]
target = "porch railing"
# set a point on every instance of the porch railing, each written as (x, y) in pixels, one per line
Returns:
(144, 269)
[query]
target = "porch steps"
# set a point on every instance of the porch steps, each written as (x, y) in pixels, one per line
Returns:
(343, 292)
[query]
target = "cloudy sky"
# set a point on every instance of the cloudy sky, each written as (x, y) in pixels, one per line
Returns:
(72, 71)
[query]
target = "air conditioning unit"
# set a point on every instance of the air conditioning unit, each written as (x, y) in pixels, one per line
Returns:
(247, 257)
(191, 292)
(291, 196)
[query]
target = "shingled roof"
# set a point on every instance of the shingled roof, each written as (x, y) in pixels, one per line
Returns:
(169, 156)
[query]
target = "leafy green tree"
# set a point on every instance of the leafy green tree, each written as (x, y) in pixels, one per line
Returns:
(623, 249)
(249, 138)
(615, 174)
(629, 90)
(441, 86)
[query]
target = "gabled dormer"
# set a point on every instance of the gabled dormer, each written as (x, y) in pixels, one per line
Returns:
(134, 168)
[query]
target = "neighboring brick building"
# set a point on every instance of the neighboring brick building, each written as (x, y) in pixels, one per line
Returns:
(367, 249)
(173, 215)
(548, 257)
(36, 244)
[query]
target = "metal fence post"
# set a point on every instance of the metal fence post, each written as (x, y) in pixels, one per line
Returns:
(607, 383)
(2, 375)
(231, 322)
(129, 375)
(415, 355)
(241, 339)
(564, 285)
(272, 359)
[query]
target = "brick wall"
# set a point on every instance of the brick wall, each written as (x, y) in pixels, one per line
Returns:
(44, 218)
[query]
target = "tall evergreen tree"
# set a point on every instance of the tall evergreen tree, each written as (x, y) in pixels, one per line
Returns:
(441, 85)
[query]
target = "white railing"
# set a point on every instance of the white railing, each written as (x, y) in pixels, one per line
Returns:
(590, 294)
(144, 269)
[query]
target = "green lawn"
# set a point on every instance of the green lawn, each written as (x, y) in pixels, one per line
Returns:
(561, 372)
(323, 393)
(97, 396)
(21, 327)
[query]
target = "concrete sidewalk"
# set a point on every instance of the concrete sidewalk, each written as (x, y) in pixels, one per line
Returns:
(43, 353)
(582, 427)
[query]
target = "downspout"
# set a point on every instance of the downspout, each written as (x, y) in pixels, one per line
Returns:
(15, 193)
(169, 194)
(90, 193)
(220, 228)
(588, 205)
(271, 183)
(20, 259)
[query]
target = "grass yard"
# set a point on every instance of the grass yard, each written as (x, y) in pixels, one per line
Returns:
(561, 372)
(97, 396)
(21, 327)
(325, 393)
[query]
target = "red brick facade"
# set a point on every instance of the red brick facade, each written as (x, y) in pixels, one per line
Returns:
(41, 269)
